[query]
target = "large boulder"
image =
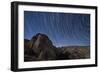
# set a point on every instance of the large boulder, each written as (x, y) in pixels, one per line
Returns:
(42, 48)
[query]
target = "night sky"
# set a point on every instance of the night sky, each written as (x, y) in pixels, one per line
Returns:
(63, 29)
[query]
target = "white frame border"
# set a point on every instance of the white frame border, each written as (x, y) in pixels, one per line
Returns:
(22, 64)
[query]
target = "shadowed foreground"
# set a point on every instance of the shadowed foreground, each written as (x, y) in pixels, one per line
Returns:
(41, 48)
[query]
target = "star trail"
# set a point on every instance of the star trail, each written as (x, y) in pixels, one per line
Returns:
(63, 29)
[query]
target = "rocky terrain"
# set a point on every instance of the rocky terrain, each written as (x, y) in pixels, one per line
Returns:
(41, 48)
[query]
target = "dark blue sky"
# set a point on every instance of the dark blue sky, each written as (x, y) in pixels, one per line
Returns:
(63, 29)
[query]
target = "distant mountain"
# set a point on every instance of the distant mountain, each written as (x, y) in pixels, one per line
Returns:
(41, 48)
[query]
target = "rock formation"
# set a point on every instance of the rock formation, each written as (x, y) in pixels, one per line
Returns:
(41, 48)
